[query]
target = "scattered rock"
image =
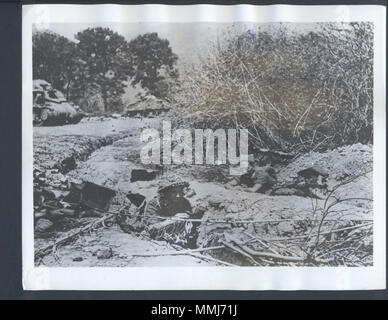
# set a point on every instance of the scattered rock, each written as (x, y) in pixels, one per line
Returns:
(39, 214)
(190, 193)
(104, 253)
(90, 195)
(136, 198)
(43, 195)
(215, 202)
(78, 259)
(43, 225)
(130, 224)
(313, 171)
(285, 229)
(143, 175)
(199, 211)
(66, 223)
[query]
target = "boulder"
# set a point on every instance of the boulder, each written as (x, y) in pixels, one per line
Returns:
(62, 213)
(78, 259)
(106, 253)
(143, 175)
(313, 172)
(43, 225)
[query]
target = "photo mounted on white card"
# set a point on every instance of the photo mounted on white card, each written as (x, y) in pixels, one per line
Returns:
(203, 147)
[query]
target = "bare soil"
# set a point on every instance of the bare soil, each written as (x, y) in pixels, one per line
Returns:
(105, 151)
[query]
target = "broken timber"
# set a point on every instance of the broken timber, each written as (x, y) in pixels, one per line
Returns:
(40, 254)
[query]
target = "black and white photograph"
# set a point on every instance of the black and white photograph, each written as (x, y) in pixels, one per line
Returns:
(204, 145)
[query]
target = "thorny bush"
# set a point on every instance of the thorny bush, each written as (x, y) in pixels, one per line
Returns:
(294, 91)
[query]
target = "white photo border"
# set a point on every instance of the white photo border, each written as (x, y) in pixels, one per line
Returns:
(206, 278)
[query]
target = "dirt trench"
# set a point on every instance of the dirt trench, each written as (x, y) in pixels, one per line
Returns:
(106, 161)
(229, 210)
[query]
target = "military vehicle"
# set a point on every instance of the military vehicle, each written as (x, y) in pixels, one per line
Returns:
(147, 107)
(50, 106)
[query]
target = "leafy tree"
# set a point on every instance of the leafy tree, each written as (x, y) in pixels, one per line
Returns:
(104, 53)
(55, 59)
(154, 63)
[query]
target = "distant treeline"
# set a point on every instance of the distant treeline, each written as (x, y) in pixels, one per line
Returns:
(101, 63)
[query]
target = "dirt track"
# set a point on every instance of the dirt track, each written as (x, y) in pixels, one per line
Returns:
(115, 151)
(108, 165)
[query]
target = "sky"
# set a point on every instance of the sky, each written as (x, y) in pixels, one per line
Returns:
(188, 40)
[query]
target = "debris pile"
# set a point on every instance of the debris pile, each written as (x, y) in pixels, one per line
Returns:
(58, 211)
(143, 175)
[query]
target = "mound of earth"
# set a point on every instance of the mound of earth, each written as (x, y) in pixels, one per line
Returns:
(342, 164)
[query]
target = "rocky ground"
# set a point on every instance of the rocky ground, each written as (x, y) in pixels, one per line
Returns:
(100, 150)
(280, 222)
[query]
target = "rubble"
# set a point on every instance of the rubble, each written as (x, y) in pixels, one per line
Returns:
(39, 214)
(335, 167)
(131, 224)
(78, 259)
(53, 211)
(106, 253)
(292, 190)
(58, 213)
(143, 175)
(169, 201)
(43, 225)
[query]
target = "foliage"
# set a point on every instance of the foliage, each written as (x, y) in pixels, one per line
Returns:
(106, 62)
(98, 67)
(294, 91)
(154, 64)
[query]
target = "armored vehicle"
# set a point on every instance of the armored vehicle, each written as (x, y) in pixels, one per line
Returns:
(50, 106)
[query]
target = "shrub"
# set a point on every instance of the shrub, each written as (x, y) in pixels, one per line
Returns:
(294, 91)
